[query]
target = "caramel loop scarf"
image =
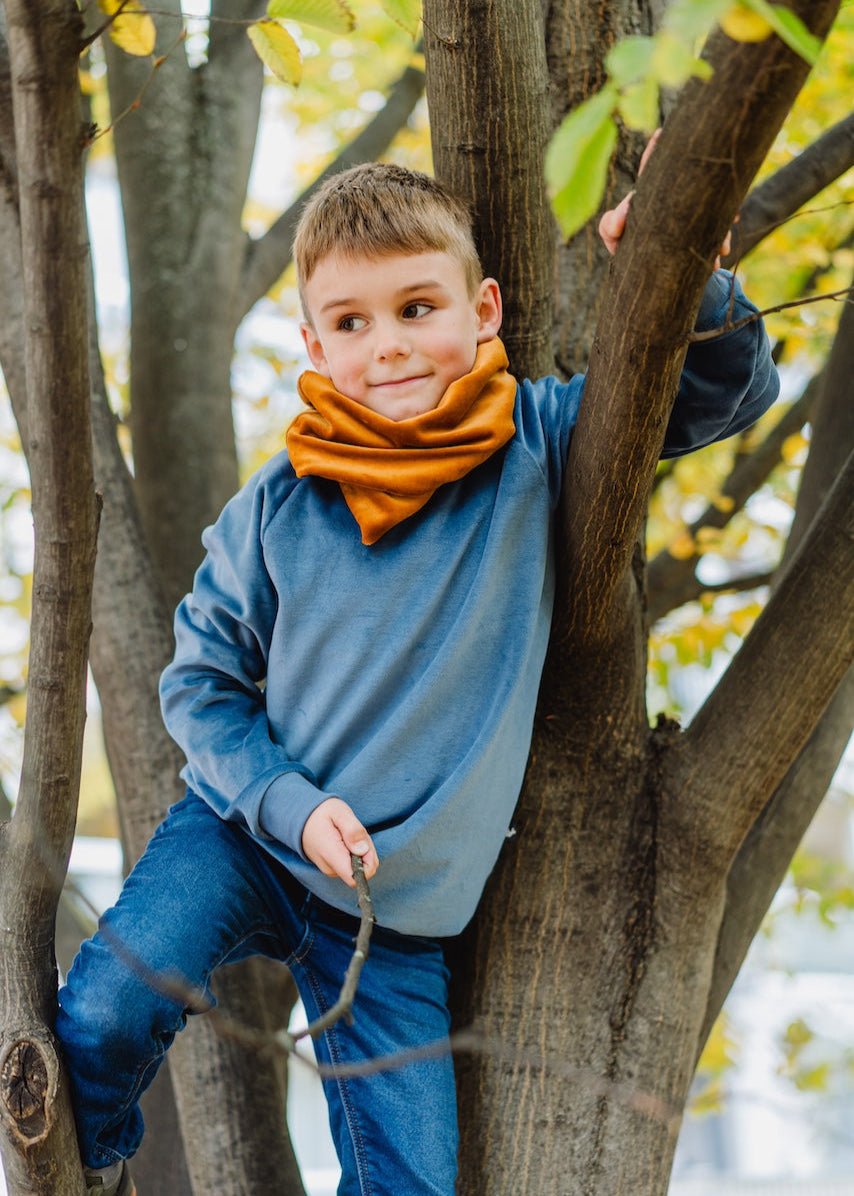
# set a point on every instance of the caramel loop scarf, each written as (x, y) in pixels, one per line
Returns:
(389, 469)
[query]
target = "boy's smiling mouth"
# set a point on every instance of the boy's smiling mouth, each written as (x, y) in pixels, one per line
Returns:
(392, 383)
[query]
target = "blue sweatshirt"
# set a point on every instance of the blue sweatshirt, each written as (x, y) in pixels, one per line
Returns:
(402, 677)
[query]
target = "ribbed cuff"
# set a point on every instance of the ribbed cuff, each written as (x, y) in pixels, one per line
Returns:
(285, 807)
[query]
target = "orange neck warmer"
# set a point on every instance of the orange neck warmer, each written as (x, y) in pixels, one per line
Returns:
(389, 469)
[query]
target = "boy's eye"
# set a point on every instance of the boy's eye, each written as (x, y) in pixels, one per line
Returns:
(351, 324)
(412, 311)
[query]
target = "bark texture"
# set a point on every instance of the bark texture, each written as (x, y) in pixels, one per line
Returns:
(488, 144)
(610, 896)
(38, 1137)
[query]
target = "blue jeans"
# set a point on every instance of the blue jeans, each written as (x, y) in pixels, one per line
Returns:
(205, 893)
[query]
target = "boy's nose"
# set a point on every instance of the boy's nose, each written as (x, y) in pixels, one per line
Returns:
(390, 341)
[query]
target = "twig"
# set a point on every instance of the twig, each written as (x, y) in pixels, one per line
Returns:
(196, 1000)
(102, 28)
(470, 1040)
(135, 103)
(711, 333)
(343, 1007)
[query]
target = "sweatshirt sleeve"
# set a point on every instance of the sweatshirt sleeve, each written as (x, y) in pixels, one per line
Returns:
(212, 694)
(727, 382)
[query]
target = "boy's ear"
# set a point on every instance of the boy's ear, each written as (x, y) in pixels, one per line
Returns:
(314, 348)
(489, 310)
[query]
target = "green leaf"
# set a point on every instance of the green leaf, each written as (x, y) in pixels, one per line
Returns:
(789, 28)
(691, 20)
(335, 16)
(577, 160)
(674, 63)
(639, 106)
(815, 1079)
(629, 59)
(406, 13)
(277, 50)
(133, 29)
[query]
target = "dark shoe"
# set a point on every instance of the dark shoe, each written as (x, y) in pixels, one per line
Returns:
(120, 1185)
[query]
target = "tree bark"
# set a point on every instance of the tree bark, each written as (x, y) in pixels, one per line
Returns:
(39, 1141)
(488, 145)
(183, 185)
(599, 903)
(578, 38)
(787, 675)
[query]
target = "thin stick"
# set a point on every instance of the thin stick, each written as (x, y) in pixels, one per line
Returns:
(711, 333)
(343, 1007)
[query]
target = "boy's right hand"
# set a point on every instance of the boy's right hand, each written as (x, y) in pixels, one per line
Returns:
(613, 222)
(332, 831)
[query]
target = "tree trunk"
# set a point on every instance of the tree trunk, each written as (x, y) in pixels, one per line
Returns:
(38, 1136)
(489, 144)
(588, 967)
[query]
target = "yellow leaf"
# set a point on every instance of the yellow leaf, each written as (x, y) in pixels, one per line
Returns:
(742, 24)
(88, 85)
(709, 1100)
(794, 447)
(741, 621)
(133, 29)
(682, 546)
(17, 707)
(277, 50)
(335, 16)
(724, 503)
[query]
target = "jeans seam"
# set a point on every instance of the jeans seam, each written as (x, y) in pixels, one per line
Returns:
(347, 1102)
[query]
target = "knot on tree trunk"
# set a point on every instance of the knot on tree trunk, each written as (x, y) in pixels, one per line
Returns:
(25, 1071)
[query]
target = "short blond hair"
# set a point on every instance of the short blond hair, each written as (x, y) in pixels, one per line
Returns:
(380, 209)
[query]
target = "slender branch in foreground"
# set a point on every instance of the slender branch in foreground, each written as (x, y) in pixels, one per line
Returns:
(104, 26)
(135, 103)
(343, 1007)
(730, 326)
(196, 1000)
(283, 1043)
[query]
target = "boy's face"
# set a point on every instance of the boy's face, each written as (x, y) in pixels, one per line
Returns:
(394, 332)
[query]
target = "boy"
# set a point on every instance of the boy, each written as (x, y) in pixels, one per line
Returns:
(356, 670)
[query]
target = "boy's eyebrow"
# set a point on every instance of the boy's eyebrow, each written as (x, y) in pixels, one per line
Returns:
(410, 289)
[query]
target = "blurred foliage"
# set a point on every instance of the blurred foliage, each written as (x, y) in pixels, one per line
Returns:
(807, 255)
(720, 1054)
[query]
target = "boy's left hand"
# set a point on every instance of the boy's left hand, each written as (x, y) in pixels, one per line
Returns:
(613, 222)
(332, 831)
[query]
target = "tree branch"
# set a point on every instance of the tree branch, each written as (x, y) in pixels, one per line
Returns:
(714, 142)
(39, 1142)
(770, 844)
(672, 580)
(268, 257)
(781, 195)
(751, 728)
(765, 856)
